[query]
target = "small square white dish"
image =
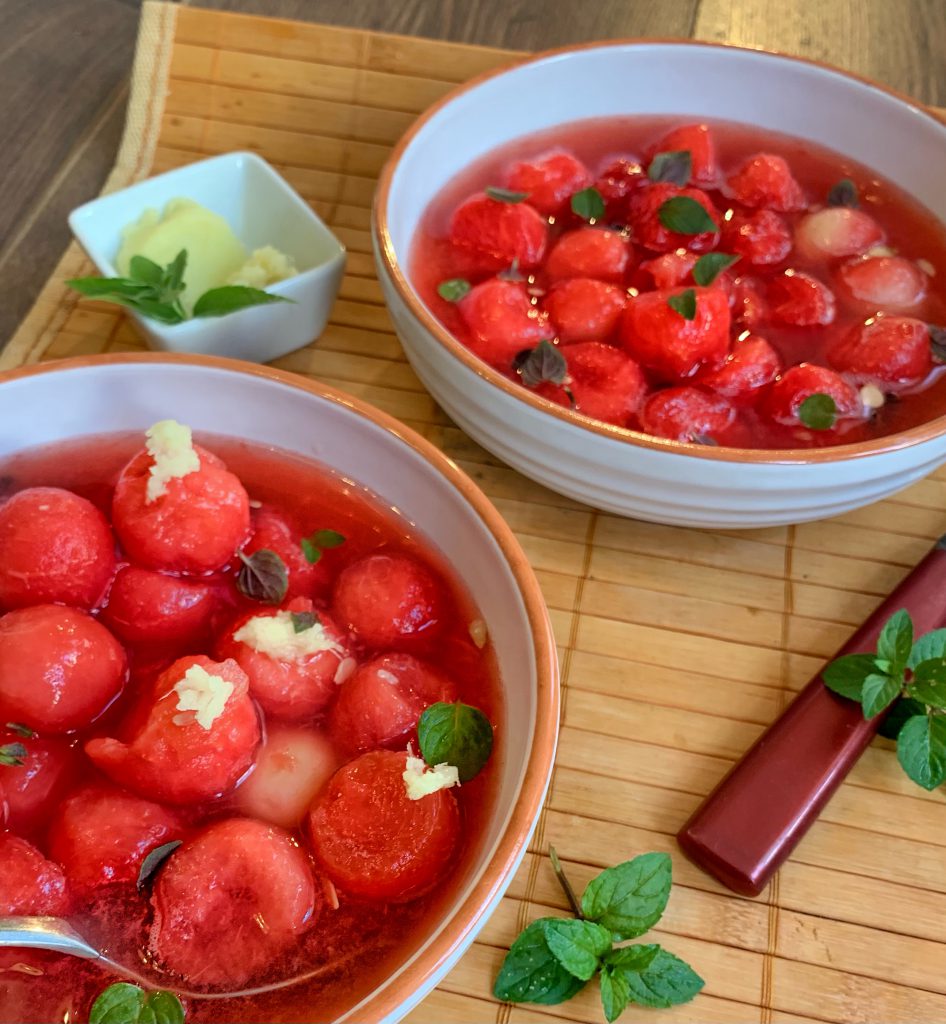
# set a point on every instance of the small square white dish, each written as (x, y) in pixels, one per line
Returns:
(262, 209)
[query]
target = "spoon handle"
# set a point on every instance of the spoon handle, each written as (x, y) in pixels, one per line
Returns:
(45, 933)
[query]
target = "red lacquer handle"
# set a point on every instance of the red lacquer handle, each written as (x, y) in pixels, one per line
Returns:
(755, 817)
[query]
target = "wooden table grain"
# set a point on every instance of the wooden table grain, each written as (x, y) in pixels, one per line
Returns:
(64, 68)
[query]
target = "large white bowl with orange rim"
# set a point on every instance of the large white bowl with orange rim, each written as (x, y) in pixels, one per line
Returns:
(621, 470)
(53, 402)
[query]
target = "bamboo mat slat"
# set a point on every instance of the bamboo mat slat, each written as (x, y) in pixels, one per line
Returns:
(677, 646)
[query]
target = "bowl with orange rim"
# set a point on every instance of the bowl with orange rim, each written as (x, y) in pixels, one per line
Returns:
(710, 306)
(363, 942)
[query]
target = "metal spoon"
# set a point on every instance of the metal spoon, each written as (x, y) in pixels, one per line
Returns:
(57, 935)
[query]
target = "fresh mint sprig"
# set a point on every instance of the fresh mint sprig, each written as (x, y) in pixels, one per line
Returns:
(908, 676)
(554, 958)
(123, 1003)
(155, 292)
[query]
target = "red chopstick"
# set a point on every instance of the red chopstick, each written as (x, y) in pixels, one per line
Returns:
(755, 817)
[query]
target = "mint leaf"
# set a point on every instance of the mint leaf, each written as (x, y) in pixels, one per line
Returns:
(846, 675)
(895, 643)
(684, 303)
(685, 216)
(301, 621)
(145, 271)
(577, 945)
(543, 363)
(818, 412)
(615, 994)
(505, 195)
(921, 749)
(453, 289)
(675, 166)
(929, 683)
(844, 193)
(938, 343)
(664, 981)
(629, 899)
(21, 730)
(263, 576)
(903, 710)
(879, 693)
(930, 645)
(173, 279)
(320, 541)
(455, 734)
(588, 204)
(231, 298)
(12, 754)
(530, 973)
(123, 1003)
(153, 862)
(632, 958)
(710, 265)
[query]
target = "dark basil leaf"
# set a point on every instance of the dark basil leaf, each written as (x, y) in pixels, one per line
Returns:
(154, 860)
(921, 749)
(629, 898)
(588, 204)
(545, 362)
(263, 576)
(818, 412)
(301, 621)
(231, 298)
(674, 166)
(710, 265)
(455, 734)
(685, 216)
(505, 195)
(453, 289)
(844, 193)
(530, 973)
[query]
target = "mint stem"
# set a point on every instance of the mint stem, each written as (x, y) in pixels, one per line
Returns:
(565, 884)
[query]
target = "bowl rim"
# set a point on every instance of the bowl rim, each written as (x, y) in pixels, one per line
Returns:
(391, 267)
(496, 873)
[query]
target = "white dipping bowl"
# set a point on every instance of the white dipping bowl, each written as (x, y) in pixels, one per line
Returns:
(55, 402)
(619, 470)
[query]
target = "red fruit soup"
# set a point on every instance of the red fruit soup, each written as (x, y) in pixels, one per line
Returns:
(717, 259)
(251, 696)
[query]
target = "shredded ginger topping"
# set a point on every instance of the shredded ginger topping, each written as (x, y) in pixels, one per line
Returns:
(421, 781)
(170, 446)
(276, 636)
(204, 693)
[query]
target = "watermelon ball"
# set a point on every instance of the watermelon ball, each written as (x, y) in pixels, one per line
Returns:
(59, 668)
(54, 547)
(29, 884)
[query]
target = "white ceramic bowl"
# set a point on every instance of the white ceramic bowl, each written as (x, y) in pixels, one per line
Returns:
(621, 470)
(262, 209)
(119, 393)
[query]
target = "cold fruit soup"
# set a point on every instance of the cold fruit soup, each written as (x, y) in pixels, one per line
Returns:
(704, 282)
(246, 726)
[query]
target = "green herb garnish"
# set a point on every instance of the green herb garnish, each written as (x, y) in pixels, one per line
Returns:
(938, 342)
(123, 1003)
(455, 734)
(818, 412)
(155, 292)
(263, 576)
(151, 864)
(909, 677)
(685, 216)
(684, 303)
(588, 204)
(301, 621)
(844, 193)
(21, 730)
(320, 541)
(543, 363)
(554, 958)
(505, 195)
(674, 167)
(453, 289)
(12, 754)
(710, 265)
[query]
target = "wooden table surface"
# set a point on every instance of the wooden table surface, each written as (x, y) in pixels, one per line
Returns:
(64, 77)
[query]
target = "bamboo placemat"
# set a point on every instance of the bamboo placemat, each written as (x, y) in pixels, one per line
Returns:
(677, 646)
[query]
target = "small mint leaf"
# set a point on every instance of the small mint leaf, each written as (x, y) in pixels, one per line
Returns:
(153, 862)
(123, 1003)
(684, 303)
(929, 683)
(145, 271)
(263, 576)
(685, 216)
(927, 647)
(505, 195)
(455, 734)
(846, 675)
(577, 945)
(938, 343)
(588, 204)
(328, 539)
(530, 973)
(301, 621)
(630, 898)
(710, 265)
(902, 710)
(231, 298)
(543, 363)
(818, 412)
(896, 641)
(665, 981)
(878, 694)
(453, 289)
(21, 730)
(921, 749)
(674, 166)
(615, 994)
(844, 193)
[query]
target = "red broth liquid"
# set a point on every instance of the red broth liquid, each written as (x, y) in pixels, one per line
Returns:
(912, 231)
(360, 943)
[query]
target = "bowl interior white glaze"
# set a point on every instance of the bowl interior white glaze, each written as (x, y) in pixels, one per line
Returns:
(261, 407)
(898, 140)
